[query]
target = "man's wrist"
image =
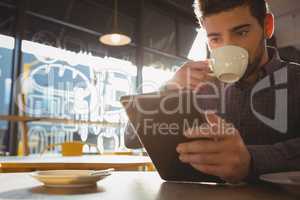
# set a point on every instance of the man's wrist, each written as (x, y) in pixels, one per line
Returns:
(264, 159)
(251, 176)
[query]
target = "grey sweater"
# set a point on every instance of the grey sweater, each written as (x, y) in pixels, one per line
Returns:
(267, 114)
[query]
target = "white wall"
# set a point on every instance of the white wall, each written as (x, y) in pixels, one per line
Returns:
(287, 13)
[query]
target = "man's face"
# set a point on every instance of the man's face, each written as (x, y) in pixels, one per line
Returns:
(236, 27)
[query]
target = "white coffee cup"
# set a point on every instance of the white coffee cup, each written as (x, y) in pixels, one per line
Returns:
(229, 63)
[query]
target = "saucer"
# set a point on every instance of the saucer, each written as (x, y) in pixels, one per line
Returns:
(69, 178)
(289, 181)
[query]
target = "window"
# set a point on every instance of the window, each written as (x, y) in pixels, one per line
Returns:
(65, 84)
(198, 50)
(6, 56)
(7, 23)
(157, 70)
(187, 33)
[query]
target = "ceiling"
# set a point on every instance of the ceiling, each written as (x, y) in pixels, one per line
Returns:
(278, 7)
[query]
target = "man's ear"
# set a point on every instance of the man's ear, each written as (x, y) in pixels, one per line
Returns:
(269, 25)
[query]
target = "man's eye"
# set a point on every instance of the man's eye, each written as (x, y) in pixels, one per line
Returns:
(214, 40)
(243, 33)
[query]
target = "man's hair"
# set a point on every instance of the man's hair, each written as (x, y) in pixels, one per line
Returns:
(204, 8)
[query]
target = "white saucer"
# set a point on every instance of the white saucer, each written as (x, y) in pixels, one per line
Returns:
(69, 178)
(289, 181)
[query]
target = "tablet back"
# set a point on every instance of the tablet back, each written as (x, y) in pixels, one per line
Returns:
(160, 120)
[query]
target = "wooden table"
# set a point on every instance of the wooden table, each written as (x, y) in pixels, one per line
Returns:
(33, 163)
(134, 186)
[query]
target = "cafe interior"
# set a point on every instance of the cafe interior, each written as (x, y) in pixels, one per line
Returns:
(65, 64)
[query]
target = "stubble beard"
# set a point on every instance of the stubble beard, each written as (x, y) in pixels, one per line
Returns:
(253, 66)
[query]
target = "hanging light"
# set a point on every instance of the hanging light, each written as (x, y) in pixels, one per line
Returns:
(115, 38)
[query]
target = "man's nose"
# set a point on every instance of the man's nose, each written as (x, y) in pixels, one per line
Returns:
(229, 40)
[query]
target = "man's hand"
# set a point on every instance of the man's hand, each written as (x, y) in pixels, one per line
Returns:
(222, 154)
(190, 76)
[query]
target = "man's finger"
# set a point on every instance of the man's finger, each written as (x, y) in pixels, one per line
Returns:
(198, 80)
(200, 65)
(193, 81)
(219, 127)
(214, 170)
(213, 119)
(199, 76)
(203, 159)
(214, 128)
(199, 132)
(200, 146)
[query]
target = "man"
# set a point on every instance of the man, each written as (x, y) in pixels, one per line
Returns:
(258, 145)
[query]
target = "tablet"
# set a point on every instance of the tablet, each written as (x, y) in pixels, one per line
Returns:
(160, 120)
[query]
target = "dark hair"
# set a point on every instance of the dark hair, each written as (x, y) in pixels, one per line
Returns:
(204, 8)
